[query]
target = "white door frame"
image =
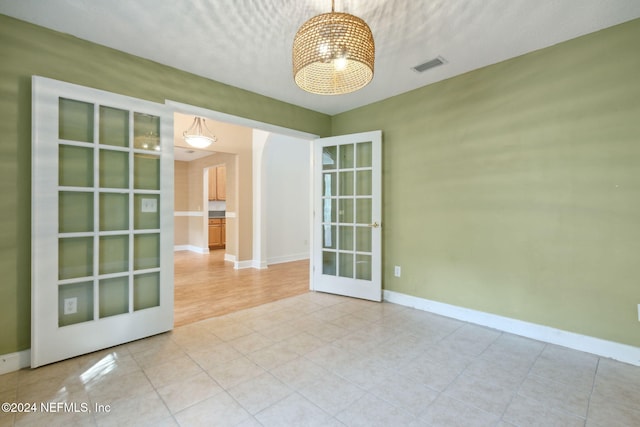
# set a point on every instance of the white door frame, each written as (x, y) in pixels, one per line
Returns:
(259, 237)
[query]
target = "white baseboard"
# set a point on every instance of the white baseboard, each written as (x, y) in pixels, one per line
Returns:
(288, 258)
(239, 265)
(260, 265)
(264, 264)
(191, 248)
(622, 352)
(15, 361)
(229, 257)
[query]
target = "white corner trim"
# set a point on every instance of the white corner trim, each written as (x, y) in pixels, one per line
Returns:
(260, 265)
(621, 352)
(15, 361)
(239, 265)
(191, 248)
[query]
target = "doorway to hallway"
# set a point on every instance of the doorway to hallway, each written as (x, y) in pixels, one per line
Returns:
(207, 286)
(267, 217)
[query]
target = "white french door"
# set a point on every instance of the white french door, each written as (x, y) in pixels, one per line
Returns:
(347, 215)
(102, 220)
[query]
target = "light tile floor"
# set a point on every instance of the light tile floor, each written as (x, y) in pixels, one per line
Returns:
(324, 360)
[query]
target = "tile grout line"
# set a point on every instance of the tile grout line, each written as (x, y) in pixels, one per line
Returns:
(542, 366)
(593, 387)
(517, 391)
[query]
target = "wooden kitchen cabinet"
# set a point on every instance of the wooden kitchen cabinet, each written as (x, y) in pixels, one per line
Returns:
(218, 183)
(212, 184)
(217, 233)
(221, 182)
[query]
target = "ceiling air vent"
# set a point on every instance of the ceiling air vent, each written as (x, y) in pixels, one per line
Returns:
(429, 64)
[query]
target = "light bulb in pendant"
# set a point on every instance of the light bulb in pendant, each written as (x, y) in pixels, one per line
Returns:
(340, 63)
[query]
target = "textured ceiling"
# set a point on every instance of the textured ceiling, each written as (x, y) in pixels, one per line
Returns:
(247, 43)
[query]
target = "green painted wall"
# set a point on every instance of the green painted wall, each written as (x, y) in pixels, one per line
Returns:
(27, 50)
(515, 189)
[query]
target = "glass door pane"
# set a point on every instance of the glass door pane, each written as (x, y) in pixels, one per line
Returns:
(76, 166)
(146, 172)
(329, 266)
(347, 214)
(114, 211)
(146, 132)
(114, 126)
(75, 257)
(75, 212)
(114, 296)
(82, 296)
(102, 170)
(363, 267)
(146, 251)
(75, 120)
(114, 169)
(102, 271)
(347, 185)
(146, 291)
(364, 154)
(113, 254)
(329, 158)
(147, 211)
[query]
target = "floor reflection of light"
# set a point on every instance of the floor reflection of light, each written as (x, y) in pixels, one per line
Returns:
(61, 395)
(100, 368)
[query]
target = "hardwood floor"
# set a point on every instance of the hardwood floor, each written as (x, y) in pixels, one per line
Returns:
(206, 286)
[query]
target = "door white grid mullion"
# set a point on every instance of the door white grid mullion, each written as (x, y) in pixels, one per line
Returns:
(96, 212)
(52, 234)
(131, 213)
(339, 157)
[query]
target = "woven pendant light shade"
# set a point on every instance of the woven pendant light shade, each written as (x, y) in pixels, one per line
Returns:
(333, 54)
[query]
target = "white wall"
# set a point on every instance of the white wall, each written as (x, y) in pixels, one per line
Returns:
(287, 167)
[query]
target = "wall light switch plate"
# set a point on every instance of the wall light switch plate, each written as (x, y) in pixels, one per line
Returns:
(638, 312)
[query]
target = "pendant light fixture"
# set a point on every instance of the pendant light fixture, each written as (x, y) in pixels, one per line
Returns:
(196, 136)
(333, 54)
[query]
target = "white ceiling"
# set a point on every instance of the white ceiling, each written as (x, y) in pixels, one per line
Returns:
(247, 43)
(184, 154)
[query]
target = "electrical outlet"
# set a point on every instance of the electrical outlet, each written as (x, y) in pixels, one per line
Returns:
(397, 271)
(70, 305)
(149, 205)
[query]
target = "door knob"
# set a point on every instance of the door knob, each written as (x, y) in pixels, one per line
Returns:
(374, 225)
